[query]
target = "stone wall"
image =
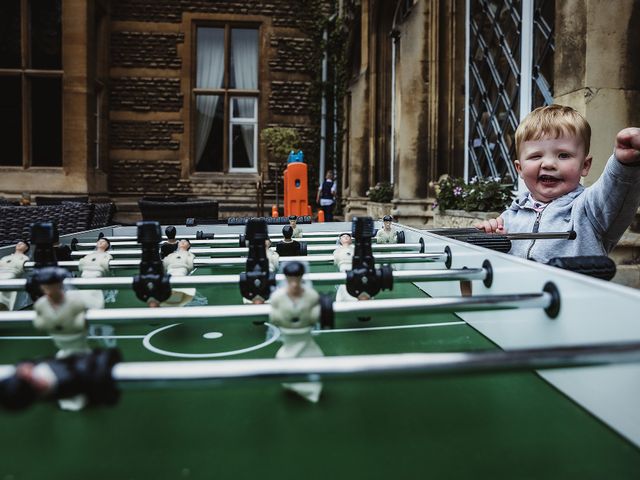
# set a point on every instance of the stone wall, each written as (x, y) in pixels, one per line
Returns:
(285, 13)
(148, 88)
(146, 49)
(292, 54)
(140, 94)
(145, 135)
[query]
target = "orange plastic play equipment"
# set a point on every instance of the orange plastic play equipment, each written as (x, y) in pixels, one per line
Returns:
(296, 189)
(274, 211)
(320, 216)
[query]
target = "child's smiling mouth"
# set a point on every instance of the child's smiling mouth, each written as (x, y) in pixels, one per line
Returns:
(548, 180)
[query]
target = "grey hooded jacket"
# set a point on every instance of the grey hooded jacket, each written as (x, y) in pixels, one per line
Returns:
(599, 215)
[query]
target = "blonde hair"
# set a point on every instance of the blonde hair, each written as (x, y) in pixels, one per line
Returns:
(553, 121)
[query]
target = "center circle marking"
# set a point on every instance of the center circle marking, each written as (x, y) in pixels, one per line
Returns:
(212, 335)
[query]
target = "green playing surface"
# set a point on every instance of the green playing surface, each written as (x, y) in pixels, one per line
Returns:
(484, 426)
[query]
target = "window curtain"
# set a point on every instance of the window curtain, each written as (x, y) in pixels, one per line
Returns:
(244, 48)
(209, 75)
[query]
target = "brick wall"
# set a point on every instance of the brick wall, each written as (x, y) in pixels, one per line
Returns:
(292, 54)
(132, 135)
(145, 49)
(290, 98)
(285, 13)
(145, 94)
(133, 140)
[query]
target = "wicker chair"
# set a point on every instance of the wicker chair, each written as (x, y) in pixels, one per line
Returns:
(103, 215)
(43, 201)
(177, 212)
(70, 218)
(7, 203)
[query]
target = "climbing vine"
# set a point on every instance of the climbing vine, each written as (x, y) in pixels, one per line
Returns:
(323, 16)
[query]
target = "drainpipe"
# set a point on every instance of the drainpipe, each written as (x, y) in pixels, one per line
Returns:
(323, 110)
(395, 36)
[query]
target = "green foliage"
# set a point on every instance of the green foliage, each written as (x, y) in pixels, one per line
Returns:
(279, 142)
(479, 195)
(382, 192)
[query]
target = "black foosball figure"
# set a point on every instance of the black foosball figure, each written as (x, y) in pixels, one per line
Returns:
(288, 247)
(171, 244)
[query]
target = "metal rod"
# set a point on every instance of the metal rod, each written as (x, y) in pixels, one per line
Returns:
(466, 232)
(385, 364)
(369, 307)
(236, 261)
(329, 278)
(335, 234)
(226, 252)
(217, 242)
(405, 364)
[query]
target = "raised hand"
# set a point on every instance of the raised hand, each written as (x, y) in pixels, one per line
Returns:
(628, 145)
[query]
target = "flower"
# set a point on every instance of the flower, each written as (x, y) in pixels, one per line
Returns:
(480, 194)
(381, 192)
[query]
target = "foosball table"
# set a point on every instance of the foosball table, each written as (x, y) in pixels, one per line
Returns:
(464, 363)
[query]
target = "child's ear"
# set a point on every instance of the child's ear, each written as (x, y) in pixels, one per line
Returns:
(518, 167)
(586, 166)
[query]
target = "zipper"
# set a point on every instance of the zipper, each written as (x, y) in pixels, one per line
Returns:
(536, 226)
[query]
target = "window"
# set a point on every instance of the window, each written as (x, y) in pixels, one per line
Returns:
(510, 72)
(226, 99)
(31, 83)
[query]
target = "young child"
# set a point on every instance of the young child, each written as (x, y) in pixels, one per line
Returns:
(552, 144)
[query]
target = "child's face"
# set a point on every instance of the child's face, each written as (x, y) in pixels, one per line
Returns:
(552, 167)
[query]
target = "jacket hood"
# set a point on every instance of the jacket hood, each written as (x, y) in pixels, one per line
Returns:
(524, 200)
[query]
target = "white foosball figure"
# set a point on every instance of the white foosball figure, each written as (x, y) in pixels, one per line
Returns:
(274, 261)
(293, 222)
(387, 234)
(61, 314)
(272, 256)
(343, 255)
(343, 259)
(12, 266)
(179, 264)
(96, 265)
(295, 309)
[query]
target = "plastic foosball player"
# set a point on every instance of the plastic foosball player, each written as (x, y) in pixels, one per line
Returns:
(88, 374)
(256, 282)
(43, 237)
(364, 279)
(289, 247)
(151, 284)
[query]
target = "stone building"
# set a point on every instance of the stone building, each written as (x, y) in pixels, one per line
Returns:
(439, 87)
(121, 98)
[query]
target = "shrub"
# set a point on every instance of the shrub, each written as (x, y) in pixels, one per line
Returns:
(480, 194)
(279, 142)
(382, 192)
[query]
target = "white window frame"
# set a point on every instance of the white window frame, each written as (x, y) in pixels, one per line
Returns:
(243, 121)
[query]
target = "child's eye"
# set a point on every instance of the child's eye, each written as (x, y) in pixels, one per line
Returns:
(565, 155)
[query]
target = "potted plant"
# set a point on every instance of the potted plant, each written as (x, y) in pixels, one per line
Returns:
(461, 204)
(379, 203)
(279, 142)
